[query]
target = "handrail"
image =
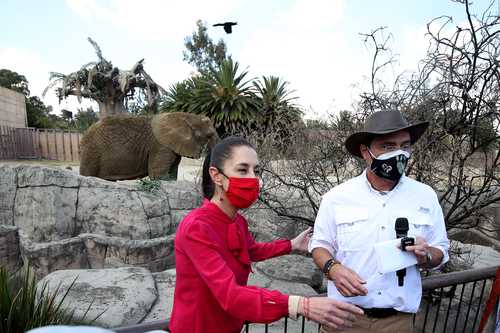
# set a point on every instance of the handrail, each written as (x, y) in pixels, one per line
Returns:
(428, 283)
(449, 279)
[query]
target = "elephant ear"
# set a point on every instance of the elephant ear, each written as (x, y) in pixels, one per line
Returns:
(176, 130)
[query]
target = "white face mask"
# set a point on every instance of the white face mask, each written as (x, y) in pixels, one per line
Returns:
(390, 165)
(391, 154)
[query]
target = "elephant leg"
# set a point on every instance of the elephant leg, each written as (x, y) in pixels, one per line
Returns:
(89, 163)
(172, 173)
(163, 163)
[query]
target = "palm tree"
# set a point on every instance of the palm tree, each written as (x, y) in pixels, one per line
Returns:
(180, 96)
(227, 98)
(109, 86)
(277, 104)
(224, 95)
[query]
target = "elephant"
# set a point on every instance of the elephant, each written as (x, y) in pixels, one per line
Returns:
(126, 147)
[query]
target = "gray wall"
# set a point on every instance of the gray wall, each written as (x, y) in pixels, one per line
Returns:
(12, 108)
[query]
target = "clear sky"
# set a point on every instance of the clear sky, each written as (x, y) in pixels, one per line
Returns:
(313, 44)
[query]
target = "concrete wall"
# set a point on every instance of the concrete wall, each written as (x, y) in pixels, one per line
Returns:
(12, 108)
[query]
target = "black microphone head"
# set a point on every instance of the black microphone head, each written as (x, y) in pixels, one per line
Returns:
(401, 226)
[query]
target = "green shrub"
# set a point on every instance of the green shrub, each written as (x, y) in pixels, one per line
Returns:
(149, 185)
(24, 306)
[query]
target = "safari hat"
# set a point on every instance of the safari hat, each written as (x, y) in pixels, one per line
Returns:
(382, 123)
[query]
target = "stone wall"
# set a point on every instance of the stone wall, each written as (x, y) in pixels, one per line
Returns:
(12, 108)
(56, 219)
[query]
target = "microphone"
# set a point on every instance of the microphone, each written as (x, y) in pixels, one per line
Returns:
(401, 228)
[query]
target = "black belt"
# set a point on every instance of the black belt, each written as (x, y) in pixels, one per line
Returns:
(380, 312)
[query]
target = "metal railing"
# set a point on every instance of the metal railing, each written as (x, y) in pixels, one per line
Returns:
(451, 302)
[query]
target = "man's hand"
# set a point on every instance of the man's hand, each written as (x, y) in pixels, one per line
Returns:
(420, 249)
(348, 283)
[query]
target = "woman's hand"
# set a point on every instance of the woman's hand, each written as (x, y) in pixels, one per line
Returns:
(301, 242)
(329, 312)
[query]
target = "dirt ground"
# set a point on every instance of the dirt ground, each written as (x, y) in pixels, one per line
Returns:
(189, 169)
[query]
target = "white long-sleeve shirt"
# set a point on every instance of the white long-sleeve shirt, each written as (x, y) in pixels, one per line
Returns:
(353, 217)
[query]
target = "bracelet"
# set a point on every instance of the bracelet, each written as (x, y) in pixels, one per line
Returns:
(328, 266)
(306, 306)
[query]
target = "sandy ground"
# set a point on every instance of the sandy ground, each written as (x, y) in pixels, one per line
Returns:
(189, 169)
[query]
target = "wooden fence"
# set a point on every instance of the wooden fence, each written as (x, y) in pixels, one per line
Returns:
(35, 143)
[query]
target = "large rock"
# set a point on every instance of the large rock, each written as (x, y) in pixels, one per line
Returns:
(112, 213)
(8, 185)
(46, 213)
(165, 285)
(182, 195)
(292, 288)
(48, 257)
(259, 279)
(292, 268)
(34, 176)
(154, 254)
(124, 296)
(10, 255)
(177, 217)
(469, 256)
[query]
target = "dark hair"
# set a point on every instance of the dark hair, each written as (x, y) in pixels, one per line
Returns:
(216, 157)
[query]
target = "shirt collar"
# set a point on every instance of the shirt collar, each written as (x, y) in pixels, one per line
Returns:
(217, 213)
(400, 183)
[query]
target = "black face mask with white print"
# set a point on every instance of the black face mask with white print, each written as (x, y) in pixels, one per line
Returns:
(390, 165)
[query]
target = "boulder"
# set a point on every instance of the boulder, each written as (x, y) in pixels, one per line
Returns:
(46, 213)
(112, 212)
(292, 268)
(107, 252)
(121, 296)
(8, 186)
(177, 217)
(165, 285)
(471, 256)
(182, 195)
(292, 288)
(259, 279)
(10, 255)
(48, 257)
(34, 176)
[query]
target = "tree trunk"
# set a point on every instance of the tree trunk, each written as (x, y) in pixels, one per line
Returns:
(111, 108)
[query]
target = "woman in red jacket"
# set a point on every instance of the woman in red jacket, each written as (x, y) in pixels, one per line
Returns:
(214, 250)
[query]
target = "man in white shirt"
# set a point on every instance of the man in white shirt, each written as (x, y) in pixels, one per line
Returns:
(361, 212)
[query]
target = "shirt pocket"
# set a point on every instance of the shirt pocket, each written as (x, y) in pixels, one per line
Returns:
(420, 223)
(352, 229)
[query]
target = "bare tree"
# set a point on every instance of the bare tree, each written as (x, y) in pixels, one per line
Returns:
(109, 86)
(295, 179)
(456, 88)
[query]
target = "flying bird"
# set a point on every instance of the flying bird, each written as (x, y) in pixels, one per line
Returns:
(228, 26)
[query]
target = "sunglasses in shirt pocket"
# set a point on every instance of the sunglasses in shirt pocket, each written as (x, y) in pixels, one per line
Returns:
(353, 232)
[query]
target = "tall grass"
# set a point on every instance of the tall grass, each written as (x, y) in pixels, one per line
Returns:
(24, 306)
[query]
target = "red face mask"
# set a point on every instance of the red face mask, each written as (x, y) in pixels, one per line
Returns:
(242, 192)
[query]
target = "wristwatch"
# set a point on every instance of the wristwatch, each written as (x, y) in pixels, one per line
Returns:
(428, 257)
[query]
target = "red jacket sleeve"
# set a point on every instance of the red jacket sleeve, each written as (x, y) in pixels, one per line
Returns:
(262, 251)
(248, 303)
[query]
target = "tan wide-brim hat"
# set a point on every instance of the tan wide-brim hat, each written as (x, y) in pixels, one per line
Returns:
(381, 123)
